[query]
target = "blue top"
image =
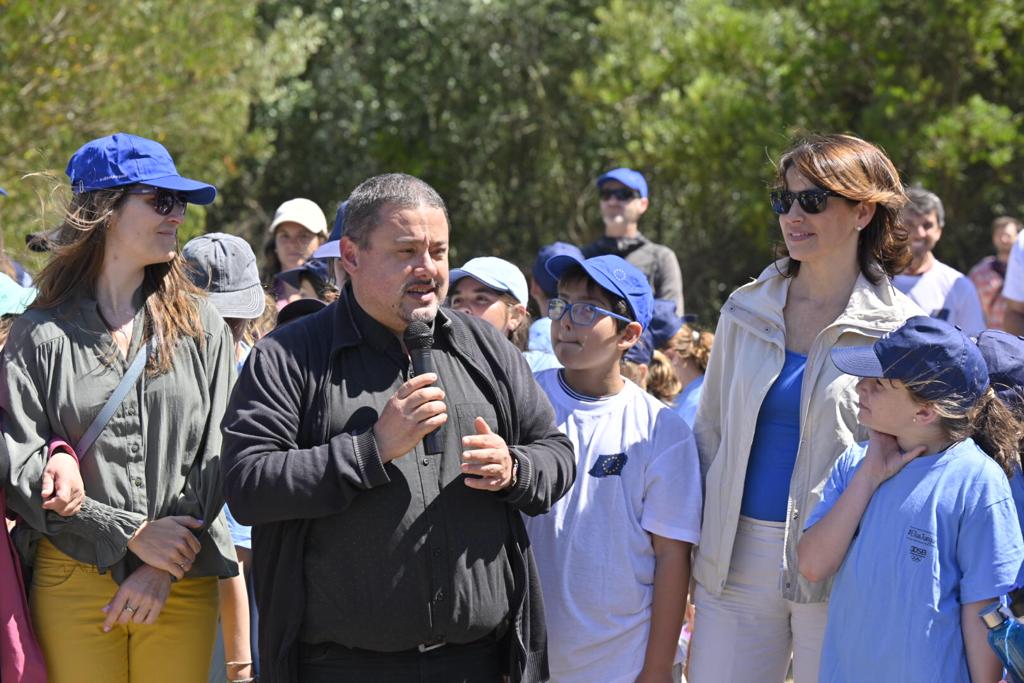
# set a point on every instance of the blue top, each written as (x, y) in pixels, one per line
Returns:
(540, 354)
(776, 440)
(241, 534)
(1017, 490)
(941, 533)
(688, 399)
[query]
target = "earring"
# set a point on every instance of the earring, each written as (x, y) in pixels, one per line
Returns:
(913, 419)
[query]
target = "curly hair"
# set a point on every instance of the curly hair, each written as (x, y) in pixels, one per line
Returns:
(692, 344)
(860, 172)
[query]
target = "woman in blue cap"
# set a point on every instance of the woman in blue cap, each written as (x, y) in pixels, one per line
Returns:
(126, 589)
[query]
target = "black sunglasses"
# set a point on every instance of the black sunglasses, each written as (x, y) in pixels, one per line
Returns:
(623, 194)
(164, 201)
(811, 201)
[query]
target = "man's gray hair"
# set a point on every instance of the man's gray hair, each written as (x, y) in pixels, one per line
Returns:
(398, 190)
(923, 202)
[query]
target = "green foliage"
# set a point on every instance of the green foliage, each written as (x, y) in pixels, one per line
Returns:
(512, 107)
(185, 74)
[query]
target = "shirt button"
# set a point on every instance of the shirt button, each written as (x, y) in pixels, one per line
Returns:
(439, 597)
(138, 482)
(425, 462)
(135, 448)
(437, 552)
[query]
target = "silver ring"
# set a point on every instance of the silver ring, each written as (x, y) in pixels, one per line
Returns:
(129, 609)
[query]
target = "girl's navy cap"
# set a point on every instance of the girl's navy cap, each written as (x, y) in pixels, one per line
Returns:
(935, 357)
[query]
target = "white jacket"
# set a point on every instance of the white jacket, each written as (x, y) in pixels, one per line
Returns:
(746, 358)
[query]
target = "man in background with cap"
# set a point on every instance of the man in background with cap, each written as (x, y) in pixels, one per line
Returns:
(624, 200)
(380, 558)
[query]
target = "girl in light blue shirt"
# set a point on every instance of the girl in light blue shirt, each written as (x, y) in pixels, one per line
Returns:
(917, 525)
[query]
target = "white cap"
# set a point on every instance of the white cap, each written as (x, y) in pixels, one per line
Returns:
(496, 273)
(302, 211)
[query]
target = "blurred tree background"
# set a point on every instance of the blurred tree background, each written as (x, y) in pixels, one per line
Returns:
(512, 107)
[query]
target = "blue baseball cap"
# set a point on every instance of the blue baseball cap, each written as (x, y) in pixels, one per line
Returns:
(496, 273)
(332, 247)
(642, 352)
(544, 279)
(634, 180)
(938, 359)
(122, 159)
(664, 322)
(314, 268)
(1004, 356)
(613, 274)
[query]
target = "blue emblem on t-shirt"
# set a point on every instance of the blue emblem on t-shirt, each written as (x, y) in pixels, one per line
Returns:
(608, 465)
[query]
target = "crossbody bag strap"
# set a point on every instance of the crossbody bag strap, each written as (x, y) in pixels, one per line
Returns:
(127, 382)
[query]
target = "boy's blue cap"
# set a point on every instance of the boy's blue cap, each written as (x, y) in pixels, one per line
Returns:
(496, 273)
(314, 268)
(332, 247)
(14, 298)
(616, 275)
(664, 322)
(547, 283)
(1004, 357)
(634, 180)
(938, 359)
(122, 159)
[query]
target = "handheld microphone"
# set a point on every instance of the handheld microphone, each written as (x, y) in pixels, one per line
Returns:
(419, 340)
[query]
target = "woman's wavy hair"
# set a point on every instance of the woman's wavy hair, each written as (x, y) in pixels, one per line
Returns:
(520, 337)
(860, 172)
(662, 381)
(77, 247)
(994, 427)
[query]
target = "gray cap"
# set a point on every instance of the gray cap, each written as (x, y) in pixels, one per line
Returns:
(225, 266)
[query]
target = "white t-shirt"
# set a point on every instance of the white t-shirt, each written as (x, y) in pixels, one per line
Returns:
(947, 294)
(1013, 285)
(637, 474)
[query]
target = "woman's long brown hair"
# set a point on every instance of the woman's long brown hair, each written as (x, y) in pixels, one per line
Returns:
(77, 247)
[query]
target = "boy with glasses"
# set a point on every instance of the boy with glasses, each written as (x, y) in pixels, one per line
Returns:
(614, 553)
(623, 196)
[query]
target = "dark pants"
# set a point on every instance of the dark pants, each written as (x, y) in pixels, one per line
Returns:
(473, 663)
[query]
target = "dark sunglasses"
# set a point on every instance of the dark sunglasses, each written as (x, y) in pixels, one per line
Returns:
(164, 201)
(811, 201)
(623, 194)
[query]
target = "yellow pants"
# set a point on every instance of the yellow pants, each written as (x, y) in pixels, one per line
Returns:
(66, 602)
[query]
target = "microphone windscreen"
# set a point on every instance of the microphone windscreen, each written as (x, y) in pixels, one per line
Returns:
(418, 335)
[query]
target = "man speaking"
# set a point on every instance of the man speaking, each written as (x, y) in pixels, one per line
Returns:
(375, 560)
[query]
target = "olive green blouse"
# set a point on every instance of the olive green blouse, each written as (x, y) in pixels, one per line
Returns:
(159, 454)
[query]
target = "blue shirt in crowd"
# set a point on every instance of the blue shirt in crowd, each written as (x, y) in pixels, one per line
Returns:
(941, 533)
(540, 355)
(688, 399)
(776, 441)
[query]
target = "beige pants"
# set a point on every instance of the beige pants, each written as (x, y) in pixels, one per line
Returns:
(749, 632)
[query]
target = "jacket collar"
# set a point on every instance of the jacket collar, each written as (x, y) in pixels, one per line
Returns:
(870, 307)
(353, 325)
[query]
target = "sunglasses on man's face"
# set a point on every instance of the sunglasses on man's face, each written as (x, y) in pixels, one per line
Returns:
(811, 201)
(623, 194)
(164, 201)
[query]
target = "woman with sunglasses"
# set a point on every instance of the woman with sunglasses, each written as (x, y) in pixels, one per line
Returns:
(776, 413)
(126, 589)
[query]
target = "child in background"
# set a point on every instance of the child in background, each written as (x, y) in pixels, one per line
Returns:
(917, 525)
(689, 351)
(614, 553)
(1004, 356)
(494, 290)
(645, 364)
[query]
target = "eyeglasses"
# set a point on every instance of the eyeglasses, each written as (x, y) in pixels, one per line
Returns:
(581, 314)
(811, 201)
(623, 194)
(164, 202)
